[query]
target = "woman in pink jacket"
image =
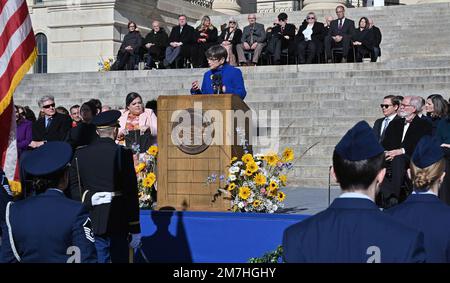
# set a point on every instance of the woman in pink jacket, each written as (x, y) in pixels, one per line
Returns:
(136, 117)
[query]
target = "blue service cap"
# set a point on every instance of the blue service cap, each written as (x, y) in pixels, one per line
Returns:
(359, 143)
(107, 119)
(48, 159)
(427, 152)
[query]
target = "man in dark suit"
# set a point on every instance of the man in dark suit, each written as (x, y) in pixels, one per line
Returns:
(109, 190)
(283, 36)
(340, 33)
(389, 107)
(376, 51)
(353, 229)
(400, 140)
(48, 228)
(52, 126)
(181, 40)
(423, 209)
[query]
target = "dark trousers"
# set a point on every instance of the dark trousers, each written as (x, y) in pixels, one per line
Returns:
(306, 49)
(154, 54)
(390, 189)
(112, 248)
(375, 54)
(361, 52)
(330, 43)
(126, 61)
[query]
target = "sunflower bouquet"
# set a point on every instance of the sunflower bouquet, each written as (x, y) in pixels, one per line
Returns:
(105, 65)
(146, 177)
(255, 182)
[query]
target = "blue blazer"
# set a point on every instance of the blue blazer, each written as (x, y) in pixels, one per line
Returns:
(430, 215)
(231, 78)
(352, 230)
(45, 226)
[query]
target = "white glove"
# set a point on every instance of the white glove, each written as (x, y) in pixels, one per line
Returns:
(135, 241)
(101, 198)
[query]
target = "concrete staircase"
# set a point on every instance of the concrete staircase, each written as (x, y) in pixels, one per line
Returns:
(317, 103)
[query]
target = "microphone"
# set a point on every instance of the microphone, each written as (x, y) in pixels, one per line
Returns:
(217, 83)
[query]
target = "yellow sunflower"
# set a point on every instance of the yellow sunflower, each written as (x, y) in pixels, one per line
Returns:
(281, 196)
(252, 166)
(247, 158)
(260, 179)
(273, 186)
(231, 187)
(149, 180)
(256, 203)
(244, 192)
(272, 160)
(288, 154)
(272, 193)
(248, 173)
(153, 150)
(283, 179)
(140, 167)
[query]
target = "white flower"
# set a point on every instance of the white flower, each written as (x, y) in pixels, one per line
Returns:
(242, 172)
(233, 170)
(241, 204)
(274, 207)
(250, 199)
(232, 177)
(238, 163)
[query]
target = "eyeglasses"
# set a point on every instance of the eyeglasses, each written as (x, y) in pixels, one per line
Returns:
(132, 27)
(310, 18)
(385, 105)
(213, 59)
(49, 105)
(231, 22)
(405, 105)
(252, 18)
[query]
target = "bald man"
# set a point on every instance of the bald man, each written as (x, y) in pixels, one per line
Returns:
(155, 44)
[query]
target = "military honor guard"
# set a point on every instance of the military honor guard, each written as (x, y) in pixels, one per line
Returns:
(108, 187)
(423, 209)
(5, 197)
(353, 229)
(48, 228)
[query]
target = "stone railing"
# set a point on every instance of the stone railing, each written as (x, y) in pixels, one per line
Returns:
(203, 3)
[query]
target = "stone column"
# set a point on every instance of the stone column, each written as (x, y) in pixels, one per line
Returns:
(229, 7)
(322, 4)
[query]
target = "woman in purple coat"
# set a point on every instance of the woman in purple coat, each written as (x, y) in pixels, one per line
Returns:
(23, 131)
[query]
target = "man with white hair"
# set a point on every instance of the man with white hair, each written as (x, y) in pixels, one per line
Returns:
(52, 126)
(401, 138)
(376, 51)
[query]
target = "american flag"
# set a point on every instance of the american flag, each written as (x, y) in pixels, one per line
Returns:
(17, 54)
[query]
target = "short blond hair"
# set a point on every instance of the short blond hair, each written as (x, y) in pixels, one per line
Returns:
(424, 178)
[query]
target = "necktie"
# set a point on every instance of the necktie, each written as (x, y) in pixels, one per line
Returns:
(340, 24)
(181, 29)
(386, 123)
(251, 34)
(48, 122)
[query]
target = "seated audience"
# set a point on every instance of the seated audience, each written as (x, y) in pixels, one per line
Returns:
(126, 57)
(283, 36)
(400, 140)
(29, 114)
(155, 44)
(353, 229)
(339, 34)
(376, 51)
(436, 109)
(206, 36)
(222, 77)
(181, 40)
(362, 40)
(389, 107)
(229, 39)
(52, 126)
(423, 210)
(75, 115)
(253, 40)
(84, 133)
(310, 37)
(136, 119)
(327, 23)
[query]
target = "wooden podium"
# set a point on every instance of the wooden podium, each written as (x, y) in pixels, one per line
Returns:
(184, 163)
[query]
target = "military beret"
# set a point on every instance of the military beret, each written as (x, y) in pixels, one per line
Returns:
(107, 119)
(359, 143)
(427, 152)
(48, 159)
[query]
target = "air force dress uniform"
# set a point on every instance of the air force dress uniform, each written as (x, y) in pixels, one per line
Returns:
(49, 227)
(109, 190)
(424, 210)
(353, 229)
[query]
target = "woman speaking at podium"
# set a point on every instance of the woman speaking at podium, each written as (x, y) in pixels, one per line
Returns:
(221, 77)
